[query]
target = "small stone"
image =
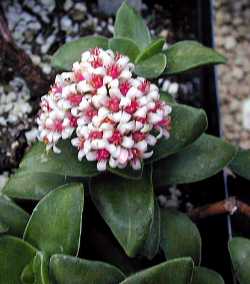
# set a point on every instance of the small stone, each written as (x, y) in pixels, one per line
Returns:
(230, 42)
(66, 23)
(67, 5)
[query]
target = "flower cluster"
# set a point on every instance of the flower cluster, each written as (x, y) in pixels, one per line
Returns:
(111, 116)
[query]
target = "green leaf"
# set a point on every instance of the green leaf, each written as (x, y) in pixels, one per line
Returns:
(239, 249)
(204, 158)
(37, 160)
(179, 236)
(25, 184)
(202, 275)
(130, 24)
(186, 55)
(166, 97)
(128, 172)
(127, 206)
(124, 46)
(154, 47)
(188, 124)
(15, 255)
(27, 276)
(66, 269)
(12, 216)
(152, 243)
(3, 228)
(71, 52)
(241, 164)
(55, 224)
(151, 67)
(177, 271)
(41, 269)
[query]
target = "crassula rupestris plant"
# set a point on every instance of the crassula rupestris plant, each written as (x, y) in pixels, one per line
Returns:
(108, 138)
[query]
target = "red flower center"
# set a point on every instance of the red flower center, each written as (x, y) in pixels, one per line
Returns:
(75, 99)
(124, 87)
(132, 107)
(58, 127)
(97, 62)
(72, 120)
(144, 87)
(91, 112)
(96, 81)
(79, 77)
(138, 136)
(113, 104)
(116, 138)
(96, 135)
(102, 154)
(114, 71)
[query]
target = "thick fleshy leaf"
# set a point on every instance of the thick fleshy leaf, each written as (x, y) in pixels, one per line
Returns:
(55, 224)
(127, 207)
(27, 276)
(15, 255)
(179, 236)
(41, 269)
(12, 216)
(154, 48)
(204, 158)
(151, 67)
(188, 124)
(128, 172)
(25, 184)
(177, 271)
(71, 52)
(239, 249)
(37, 160)
(130, 24)
(202, 275)
(152, 243)
(65, 269)
(186, 55)
(166, 97)
(241, 164)
(125, 46)
(3, 228)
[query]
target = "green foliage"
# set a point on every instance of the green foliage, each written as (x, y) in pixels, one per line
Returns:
(188, 124)
(241, 163)
(125, 46)
(239, 249)
(179, 236)
(71, 52)
(187, 55)
(130, 25)
(55, 224)
(15, 254)
(204, 158)
(13, 219)
(202, 275)
(177, 271)
(66, 269)
(127, 206)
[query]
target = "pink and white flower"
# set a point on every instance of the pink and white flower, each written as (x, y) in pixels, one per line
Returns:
(112, 117)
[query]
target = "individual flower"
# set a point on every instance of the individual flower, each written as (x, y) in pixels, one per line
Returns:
(111, 117)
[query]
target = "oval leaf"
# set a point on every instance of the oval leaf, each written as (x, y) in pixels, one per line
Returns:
(60, 212)
(38, 160)
(166, 97)
(15, 255)
(154, 48)
(179, 236)
(27, 276)
(186, 55)
(204, 158)
(202, 275)
(152, 243)
(239, 249)
(3, 228)
(124, 46)
(241, 164)
(129, 24)
(128, 172)
(127, 207)
(41, 269)
(188, 124)
(177, 271)
(71, 52)
(151, 67)
(66, 269)
(27, 185)
(13, 217)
